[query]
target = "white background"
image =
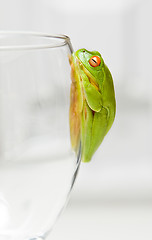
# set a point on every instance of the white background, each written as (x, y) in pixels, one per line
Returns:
(112, 198)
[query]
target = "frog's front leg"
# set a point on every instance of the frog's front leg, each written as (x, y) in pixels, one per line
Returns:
(92, 95)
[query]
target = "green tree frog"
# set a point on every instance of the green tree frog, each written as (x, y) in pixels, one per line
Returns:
(92, 101)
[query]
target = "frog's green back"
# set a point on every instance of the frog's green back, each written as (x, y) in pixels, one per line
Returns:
(109, 97)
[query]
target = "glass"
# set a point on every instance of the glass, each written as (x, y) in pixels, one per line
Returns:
(37, 166)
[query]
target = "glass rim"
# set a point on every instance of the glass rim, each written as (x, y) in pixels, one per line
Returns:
(62, 40)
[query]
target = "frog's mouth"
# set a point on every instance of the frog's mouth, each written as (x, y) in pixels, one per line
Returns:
(88, 74)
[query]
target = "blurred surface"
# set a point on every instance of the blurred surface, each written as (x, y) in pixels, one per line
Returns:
(105, 220)
(112, 198)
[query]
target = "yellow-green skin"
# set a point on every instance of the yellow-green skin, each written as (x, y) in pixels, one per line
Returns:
(93, 104)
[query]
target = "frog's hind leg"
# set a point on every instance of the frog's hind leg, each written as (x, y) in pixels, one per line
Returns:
(95, 133)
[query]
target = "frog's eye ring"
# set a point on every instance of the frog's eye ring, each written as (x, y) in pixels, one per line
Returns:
(95, 61)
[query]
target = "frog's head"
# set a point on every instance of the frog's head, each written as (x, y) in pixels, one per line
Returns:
(91, 61)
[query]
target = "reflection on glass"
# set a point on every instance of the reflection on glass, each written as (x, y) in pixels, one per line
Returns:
(37, 165)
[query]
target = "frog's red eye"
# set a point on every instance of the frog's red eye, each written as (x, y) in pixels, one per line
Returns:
(95, 61)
